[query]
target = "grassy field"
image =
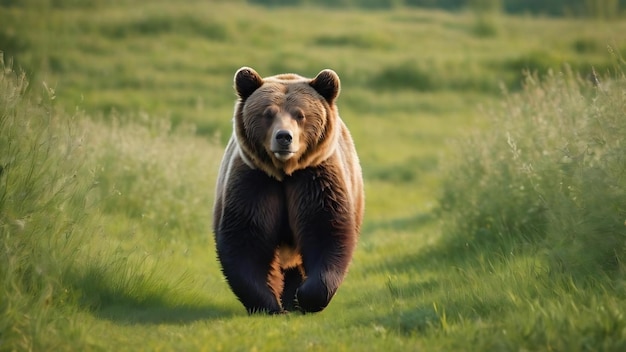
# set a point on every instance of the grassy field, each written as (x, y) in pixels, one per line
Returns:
(495, 202)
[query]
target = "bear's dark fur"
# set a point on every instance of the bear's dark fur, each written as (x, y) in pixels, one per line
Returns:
(289, 201)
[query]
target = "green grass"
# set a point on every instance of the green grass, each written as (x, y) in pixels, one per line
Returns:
(510, 237)
(558, 158)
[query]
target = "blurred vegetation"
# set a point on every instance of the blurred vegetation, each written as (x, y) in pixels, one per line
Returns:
(551, 175)
(39, 158)
(602, 9)
(77, 198)
(93, 61)
(580, 8)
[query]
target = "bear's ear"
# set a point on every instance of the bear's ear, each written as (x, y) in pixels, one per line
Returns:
(246, 82)
(326, 83)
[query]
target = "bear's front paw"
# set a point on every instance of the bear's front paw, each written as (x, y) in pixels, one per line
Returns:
(312, 297)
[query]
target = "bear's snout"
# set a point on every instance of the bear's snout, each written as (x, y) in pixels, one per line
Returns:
(284, 144)
(284, 137)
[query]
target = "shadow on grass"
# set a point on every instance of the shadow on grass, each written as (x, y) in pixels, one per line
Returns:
(440, 256)
(420, 306)
(439, 259)
(409, 223)
(149, 315)
(114, 291)
(447, 252)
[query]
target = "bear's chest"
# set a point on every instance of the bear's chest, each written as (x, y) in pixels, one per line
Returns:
(288, 256)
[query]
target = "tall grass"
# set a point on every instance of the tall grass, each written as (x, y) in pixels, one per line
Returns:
(550, 172)
(40, 198)
(91, 213)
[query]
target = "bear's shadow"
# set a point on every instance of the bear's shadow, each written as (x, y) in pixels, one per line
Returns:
(105, 298)
(155, 314)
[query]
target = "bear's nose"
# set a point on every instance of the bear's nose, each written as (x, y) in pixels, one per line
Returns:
(284, 137)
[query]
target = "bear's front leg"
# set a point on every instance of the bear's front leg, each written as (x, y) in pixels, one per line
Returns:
(247, 234)
(245, 266)
(324, 224)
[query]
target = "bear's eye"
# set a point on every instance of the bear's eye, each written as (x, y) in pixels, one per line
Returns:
(298, 115)
(270, 112)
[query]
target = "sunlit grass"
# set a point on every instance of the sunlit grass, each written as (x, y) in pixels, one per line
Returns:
(181, 70)
(87, 221)
(549, 182)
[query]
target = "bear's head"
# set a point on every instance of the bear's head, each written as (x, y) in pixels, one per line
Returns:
(286, 122)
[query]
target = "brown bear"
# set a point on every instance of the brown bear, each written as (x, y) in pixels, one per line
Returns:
(289, 201)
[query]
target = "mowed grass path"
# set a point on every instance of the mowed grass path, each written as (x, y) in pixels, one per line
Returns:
(145, 90)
